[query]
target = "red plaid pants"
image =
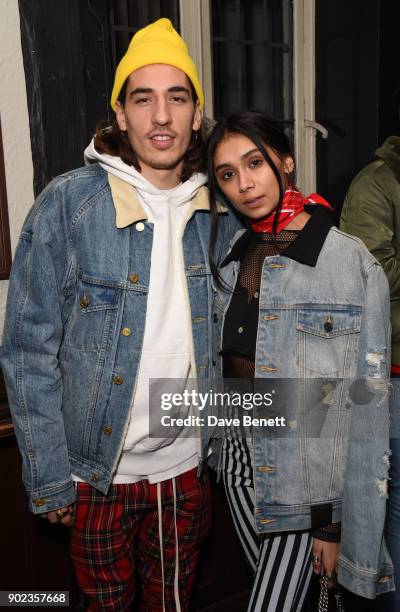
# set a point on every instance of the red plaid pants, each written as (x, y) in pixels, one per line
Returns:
(115, 542)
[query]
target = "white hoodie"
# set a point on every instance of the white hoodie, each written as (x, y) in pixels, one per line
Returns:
(167, 350)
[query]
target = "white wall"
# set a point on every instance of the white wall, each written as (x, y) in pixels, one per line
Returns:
(15, 128)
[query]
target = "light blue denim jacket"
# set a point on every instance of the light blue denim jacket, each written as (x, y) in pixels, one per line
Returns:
(346, 472)
(78, 280)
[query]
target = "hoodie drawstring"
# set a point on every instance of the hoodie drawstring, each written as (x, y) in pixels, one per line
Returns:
(160, 535)
(176, 580)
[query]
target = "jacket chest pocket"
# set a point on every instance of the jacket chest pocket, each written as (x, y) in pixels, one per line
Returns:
(93, 317)
(328, 340)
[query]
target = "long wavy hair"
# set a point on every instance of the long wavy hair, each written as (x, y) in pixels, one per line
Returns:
(260, 129)
(113, 141)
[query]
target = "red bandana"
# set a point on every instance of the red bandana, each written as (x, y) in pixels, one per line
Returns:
(292, 205)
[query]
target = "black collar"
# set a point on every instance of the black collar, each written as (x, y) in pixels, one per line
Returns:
(307, 246)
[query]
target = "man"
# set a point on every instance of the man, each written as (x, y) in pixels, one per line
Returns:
(111, 287)
(371, 211)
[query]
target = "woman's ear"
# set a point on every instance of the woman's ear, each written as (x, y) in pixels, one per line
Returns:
(288, 166)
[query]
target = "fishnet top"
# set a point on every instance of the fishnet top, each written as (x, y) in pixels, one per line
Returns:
(241, 321)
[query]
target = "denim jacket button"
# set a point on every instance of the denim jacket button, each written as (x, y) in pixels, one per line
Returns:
(95, 478)
(40, 502)
(133, 278)
(126, 331)
(328, 326)
(118, 380)
(139, 227)
(84, 301)
(383, 579)
(215, 317)
(107, 430)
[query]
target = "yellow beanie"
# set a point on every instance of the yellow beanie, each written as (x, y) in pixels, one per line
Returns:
(157, 43)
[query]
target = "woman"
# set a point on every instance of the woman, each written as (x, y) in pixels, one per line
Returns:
(282, 310)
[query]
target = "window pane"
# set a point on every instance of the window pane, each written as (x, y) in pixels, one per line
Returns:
(128, 16)
(252, 55)
(227, 88)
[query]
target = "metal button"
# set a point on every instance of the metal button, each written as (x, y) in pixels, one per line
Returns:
(40, 502)
(383, 579)
(240, 330)
(256, 294)
(95, 478)
(107, 430)
(118, 380)
(265, 368)
(126, 331)
(133, 278)
(215, 317)
(84, 301)
(270, 317)
(139, 227)
(328, 325)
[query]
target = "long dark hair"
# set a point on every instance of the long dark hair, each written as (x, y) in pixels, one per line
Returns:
(113, 141)
(260, 129)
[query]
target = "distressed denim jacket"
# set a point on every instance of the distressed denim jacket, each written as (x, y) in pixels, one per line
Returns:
(77, 281)
(343, 476)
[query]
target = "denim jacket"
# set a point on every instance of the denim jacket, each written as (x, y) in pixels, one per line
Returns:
(342, 477)
(77, 281)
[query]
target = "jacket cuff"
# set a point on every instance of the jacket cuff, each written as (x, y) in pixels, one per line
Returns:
(364, 581)
(52, 497)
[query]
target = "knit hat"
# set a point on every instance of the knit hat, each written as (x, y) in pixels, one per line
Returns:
(157, 43)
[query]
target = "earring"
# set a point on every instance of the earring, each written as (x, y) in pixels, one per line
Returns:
(196, 135)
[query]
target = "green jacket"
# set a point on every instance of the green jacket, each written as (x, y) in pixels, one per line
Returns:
(371, 211)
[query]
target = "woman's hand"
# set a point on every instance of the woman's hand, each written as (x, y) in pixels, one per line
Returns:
(325, 558)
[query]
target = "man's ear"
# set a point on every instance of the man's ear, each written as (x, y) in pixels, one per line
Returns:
(197, 117)
(120, 116)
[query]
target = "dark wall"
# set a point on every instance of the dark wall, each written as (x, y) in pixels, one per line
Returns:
(347, 91)
(68, 77)
(389, 71)
(357, 87)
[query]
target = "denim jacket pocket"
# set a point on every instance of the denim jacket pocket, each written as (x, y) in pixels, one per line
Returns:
(327, 339)
(92, 316)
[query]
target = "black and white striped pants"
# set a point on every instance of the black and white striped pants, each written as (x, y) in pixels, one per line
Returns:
(281, 562)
